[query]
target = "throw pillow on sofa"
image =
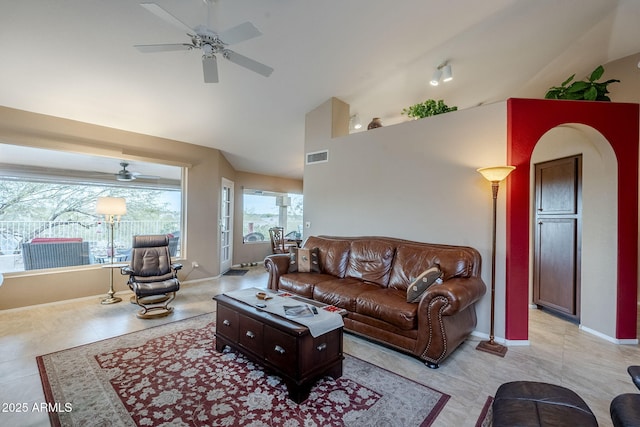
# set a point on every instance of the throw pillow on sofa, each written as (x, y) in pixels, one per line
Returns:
(427, 278)
(304, 260)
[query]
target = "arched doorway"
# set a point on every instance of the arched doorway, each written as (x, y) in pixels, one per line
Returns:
(597, 285)
(527, 121)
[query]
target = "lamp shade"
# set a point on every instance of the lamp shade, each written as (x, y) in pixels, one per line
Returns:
(496, 173)
(111, 206)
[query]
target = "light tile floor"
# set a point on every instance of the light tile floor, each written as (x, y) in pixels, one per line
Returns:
(559, 353)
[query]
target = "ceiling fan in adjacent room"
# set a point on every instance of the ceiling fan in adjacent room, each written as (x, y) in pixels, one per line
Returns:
(126, 175)
(210, 43)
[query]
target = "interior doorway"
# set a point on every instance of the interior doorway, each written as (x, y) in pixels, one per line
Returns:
(580, 166)
(613, 128)
(226, 225)
(558, 236)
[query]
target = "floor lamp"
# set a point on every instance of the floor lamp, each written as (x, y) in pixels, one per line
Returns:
(112, 208)
(494, 174)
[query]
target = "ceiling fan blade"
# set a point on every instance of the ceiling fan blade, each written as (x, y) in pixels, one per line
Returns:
(137, 175)
(239, 33)
(151, 48)
(210, 69)
(166, 16)
(248, 63)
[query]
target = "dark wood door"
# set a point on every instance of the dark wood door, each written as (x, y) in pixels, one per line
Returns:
(557, 239)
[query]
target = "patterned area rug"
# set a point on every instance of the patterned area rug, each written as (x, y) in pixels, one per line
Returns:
(171, 375)
(486, 416)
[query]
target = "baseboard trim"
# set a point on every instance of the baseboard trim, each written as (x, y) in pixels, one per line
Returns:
(625, 341)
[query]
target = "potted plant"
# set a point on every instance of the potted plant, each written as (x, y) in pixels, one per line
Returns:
(589, 89)
(430, 107)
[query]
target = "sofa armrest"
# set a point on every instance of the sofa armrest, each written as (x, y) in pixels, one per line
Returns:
(446, 317)
(460, 293)
(276, 265)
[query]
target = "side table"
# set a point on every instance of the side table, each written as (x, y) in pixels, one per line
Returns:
(111, 298)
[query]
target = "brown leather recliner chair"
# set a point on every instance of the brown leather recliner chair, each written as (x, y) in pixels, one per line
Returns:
(152, 277)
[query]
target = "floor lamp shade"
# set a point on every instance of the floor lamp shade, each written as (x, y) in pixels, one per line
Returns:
(111, 206)
(496, 173)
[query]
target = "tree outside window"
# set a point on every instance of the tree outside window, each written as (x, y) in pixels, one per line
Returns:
(65, 211)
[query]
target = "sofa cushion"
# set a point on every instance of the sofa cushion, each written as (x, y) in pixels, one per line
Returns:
(370, 260)
(302, 283)
(411, 260)
(334, 254)
(423, 282)
(304, 260)
(389, 305)
(342, 293)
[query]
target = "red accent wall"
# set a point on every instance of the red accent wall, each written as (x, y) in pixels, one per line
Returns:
(527, 121)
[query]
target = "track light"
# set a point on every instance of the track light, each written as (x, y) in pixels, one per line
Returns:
(354, 122)
(447, 75)
(435, 79)
(443, 71)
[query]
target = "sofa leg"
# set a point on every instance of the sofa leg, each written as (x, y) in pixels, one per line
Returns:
(432, 365)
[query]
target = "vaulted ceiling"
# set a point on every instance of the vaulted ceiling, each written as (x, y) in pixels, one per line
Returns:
(75, 59)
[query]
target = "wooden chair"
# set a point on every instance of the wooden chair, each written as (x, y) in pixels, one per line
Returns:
(278, 245)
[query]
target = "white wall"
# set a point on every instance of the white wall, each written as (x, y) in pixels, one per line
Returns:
(415, 180)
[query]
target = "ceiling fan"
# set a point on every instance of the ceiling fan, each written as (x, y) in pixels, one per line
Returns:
(126, 175)
(210, 43)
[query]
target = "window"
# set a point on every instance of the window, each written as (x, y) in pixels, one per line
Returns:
(265, 209)
(48, 217)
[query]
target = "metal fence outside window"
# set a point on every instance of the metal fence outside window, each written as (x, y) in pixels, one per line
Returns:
(14, 233)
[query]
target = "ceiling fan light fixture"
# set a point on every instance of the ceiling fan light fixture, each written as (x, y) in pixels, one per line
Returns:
(125, 177)
(209, 42)
(207, 49)
(124, 174)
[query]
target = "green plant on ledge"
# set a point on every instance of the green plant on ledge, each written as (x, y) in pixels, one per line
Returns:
(430, 107)
(589, 89)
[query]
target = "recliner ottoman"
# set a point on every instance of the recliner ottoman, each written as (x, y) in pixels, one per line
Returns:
(532, 404)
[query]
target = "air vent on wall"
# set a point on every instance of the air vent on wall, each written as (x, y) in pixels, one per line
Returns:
(318, 157)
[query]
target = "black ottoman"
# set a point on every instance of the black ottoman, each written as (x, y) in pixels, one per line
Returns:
(634, 371)
(530, 404)
(625, 410)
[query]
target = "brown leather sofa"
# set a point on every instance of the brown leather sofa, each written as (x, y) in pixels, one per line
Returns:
(369, 277)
